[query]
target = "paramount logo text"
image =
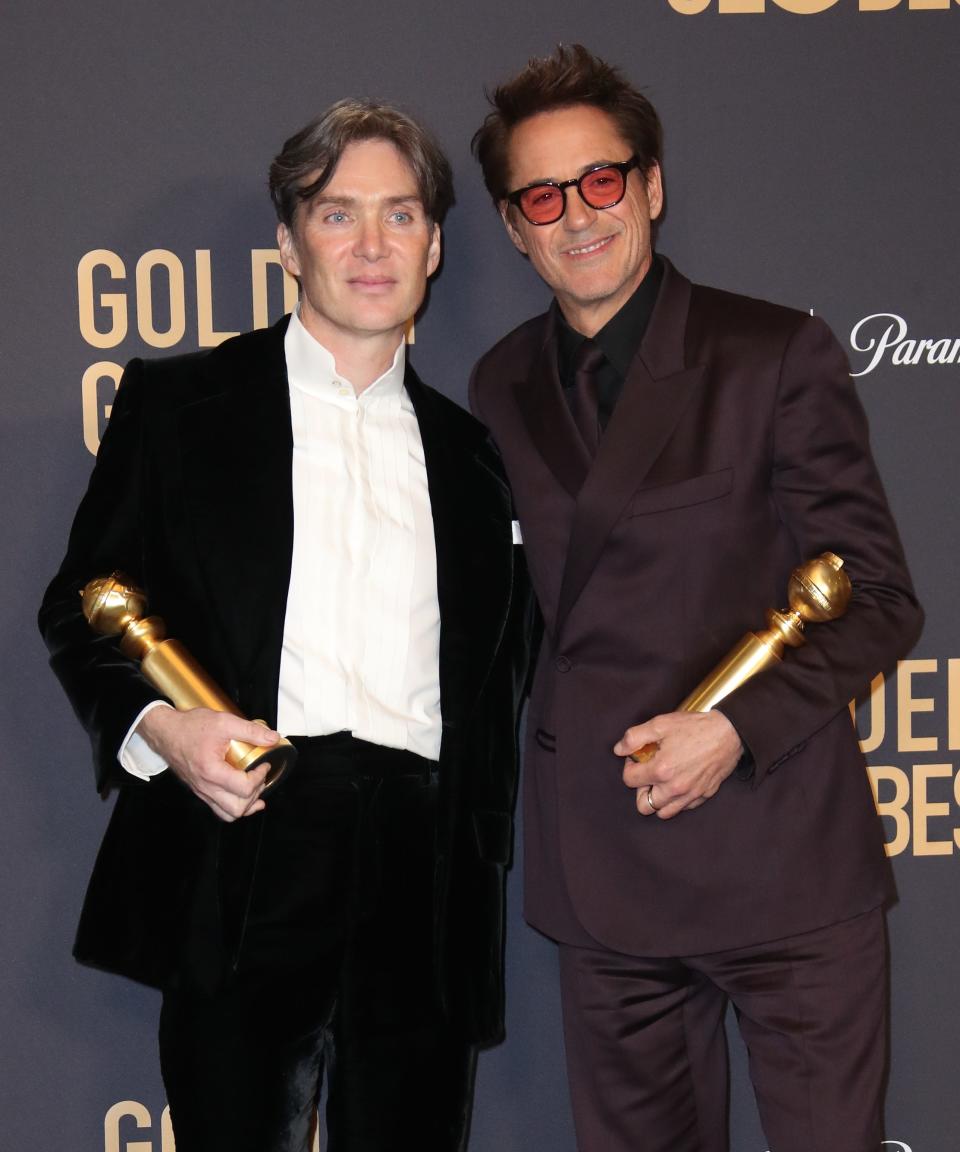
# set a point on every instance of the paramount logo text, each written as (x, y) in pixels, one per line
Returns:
(885, 332)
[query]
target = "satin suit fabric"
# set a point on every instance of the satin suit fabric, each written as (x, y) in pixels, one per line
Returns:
(737, 450)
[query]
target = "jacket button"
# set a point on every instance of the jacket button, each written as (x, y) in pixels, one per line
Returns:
(563, 664)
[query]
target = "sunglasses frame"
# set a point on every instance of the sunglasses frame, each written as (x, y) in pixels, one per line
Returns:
(623, 167)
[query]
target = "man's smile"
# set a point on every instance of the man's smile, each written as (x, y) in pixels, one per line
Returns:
(589, 249)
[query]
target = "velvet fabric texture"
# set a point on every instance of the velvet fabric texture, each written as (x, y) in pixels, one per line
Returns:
(170, 502)
(333, 973)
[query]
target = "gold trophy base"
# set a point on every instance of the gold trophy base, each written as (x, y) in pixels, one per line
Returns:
(247, 757)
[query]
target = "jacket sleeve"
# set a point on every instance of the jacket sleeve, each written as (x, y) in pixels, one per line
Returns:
(828, 497)
(105, 688)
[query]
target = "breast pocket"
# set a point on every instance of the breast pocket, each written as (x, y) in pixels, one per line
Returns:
(682, 494)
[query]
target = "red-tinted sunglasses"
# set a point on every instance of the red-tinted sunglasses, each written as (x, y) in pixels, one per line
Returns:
(600, 187)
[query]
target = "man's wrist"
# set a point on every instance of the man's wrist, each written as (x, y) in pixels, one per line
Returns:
(746, 766)
(135, 755)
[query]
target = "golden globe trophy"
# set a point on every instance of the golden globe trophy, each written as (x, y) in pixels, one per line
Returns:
(113, 606)
(818, 591)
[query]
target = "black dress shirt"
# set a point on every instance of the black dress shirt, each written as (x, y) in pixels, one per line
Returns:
(619, 340)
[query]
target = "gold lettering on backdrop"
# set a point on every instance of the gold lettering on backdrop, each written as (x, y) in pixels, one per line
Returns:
(801, 7)
(117, 1119)
(919, 804)
(161, 258)
(156, 295)
(260, 260)
(166, 1132)
(125, 1109)
(956, 797)
(876, 702)
(206, 336)
(805, 7)
(953, 705)
(922, 799)
(908, 705)
(924, 809)
(114, 303)
(895, 808)
(90, 394)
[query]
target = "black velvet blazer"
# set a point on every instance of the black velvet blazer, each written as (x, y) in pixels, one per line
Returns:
(191, 496)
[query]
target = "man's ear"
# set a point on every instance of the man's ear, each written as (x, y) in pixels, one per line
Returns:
(507, 217)
(654, 182)
(434, 249)
(288, 250)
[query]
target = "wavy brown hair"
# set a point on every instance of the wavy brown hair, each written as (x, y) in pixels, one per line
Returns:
(308, 159)
(572, 75)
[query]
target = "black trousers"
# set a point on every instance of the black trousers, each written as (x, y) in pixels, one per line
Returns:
(333, 974)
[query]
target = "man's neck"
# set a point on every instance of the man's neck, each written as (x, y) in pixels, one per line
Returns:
(360, 357)
(588, 316)
(364, 362)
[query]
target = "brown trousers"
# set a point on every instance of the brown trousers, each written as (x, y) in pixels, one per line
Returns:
(647, 1056)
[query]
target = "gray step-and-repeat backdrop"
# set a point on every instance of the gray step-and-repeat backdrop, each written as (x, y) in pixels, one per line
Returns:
(811, 158)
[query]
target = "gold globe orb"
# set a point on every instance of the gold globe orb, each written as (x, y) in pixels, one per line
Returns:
(820, 589)
(111, 603)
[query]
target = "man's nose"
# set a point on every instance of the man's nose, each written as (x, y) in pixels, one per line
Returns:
(370, 241)
(578, 213)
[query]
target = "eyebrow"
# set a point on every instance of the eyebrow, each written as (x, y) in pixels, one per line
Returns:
(324, 197)
(602, 163)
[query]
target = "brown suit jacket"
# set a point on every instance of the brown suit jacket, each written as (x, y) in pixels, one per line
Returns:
(737, 449)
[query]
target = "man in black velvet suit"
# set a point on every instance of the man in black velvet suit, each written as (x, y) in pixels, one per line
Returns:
(332, 540)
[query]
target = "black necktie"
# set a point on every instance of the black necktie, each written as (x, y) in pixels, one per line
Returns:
(583, 395)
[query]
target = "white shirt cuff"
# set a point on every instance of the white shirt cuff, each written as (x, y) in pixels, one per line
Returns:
(136, 755)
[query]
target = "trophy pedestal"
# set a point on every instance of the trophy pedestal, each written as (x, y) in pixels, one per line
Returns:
(114, 607)
(750, 656)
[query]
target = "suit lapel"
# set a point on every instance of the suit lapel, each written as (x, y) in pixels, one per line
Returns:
(237, 451)
(547, 415)
(470, 504)
(655, 395)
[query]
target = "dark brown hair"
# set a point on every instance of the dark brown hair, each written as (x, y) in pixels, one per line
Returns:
(572, 75)
(316, 149)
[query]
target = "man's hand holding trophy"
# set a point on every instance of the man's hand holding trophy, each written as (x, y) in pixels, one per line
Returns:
(114, 606)
(818, 591)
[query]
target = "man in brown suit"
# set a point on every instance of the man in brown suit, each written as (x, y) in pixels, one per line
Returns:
(675, 451)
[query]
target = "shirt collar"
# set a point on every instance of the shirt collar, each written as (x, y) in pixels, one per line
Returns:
(312, 368)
